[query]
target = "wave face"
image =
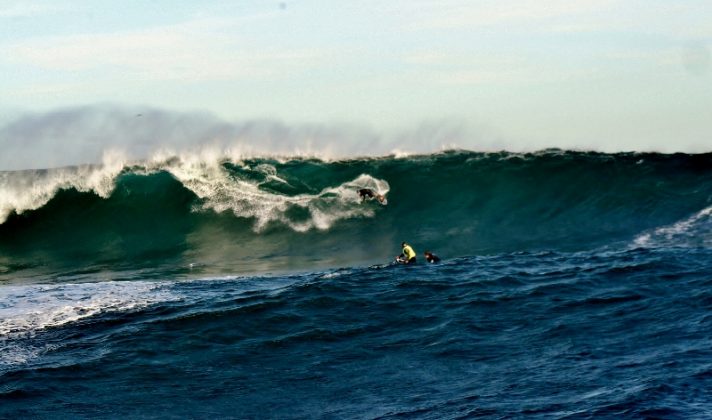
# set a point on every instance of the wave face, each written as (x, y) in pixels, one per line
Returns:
(209, 213)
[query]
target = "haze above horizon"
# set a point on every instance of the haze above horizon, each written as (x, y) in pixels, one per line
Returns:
(604, 74)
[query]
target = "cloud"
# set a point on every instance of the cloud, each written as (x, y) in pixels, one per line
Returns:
(27, 9)
(440, 68)
(199, 50)
(697, 59)
(458, 14)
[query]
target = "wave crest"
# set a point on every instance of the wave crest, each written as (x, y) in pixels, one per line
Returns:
(694, 231)
(21, 191)
(220, 191)
(245, 191)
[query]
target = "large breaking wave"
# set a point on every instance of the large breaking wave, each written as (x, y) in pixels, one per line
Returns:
(263, 214)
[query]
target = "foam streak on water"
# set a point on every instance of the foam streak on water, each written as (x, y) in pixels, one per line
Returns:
(695, 230)
(26, 311)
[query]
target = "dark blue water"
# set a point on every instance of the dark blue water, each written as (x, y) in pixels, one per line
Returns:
(624, 334)
(138, 301)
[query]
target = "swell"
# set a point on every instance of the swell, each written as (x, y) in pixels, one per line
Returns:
(394, 335)
(268, 214)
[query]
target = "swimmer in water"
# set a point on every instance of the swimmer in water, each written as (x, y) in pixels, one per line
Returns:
(431, 258)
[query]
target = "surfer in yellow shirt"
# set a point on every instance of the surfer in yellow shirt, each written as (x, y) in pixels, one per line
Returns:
(407, 256)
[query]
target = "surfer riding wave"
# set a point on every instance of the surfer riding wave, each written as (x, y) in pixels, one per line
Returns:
(367, 193)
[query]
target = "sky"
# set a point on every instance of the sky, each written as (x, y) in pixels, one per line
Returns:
(606, 75)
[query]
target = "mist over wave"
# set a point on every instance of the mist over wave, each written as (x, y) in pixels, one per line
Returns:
(85, 135)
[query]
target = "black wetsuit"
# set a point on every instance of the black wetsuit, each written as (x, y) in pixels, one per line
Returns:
(432, 258)
(366, 192)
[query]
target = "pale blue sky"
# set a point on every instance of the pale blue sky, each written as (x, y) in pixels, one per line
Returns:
(593, 74)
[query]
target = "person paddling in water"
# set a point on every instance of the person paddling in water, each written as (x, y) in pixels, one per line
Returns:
(407, 256)
(431, 258)
(365, 193)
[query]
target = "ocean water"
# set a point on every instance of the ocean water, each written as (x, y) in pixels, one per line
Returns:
(572, 285)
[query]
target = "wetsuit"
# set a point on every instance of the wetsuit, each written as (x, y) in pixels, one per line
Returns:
(365, 192)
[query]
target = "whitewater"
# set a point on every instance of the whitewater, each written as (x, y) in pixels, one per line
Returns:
(222, 284)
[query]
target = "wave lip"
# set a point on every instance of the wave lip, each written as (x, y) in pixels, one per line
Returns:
(219, 184)
(21, 191)
(221, 190)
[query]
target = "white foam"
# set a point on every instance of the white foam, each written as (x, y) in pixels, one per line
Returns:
(29, 190)
(335, 274)
(220, 192)
(202, 172)
(695, 230)
(29, 309)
